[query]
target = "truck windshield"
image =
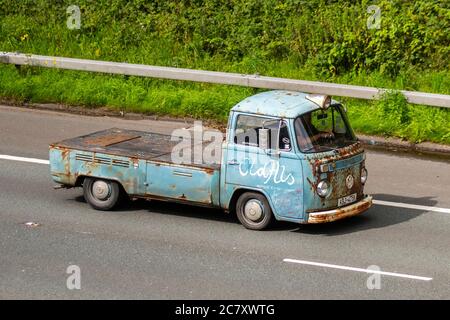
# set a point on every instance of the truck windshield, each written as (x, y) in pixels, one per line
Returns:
(323, 130)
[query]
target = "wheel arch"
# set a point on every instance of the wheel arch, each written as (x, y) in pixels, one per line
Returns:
(239, 191)
(80, 179)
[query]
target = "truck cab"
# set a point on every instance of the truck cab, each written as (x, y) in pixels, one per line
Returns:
(300, 152)
(286, 156)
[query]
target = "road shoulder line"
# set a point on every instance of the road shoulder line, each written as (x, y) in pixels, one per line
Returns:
(22, 159)
(334, 266)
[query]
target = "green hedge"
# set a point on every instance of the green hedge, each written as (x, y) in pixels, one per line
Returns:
(315, 39)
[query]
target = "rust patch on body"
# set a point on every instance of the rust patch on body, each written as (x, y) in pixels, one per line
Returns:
(312, 184)
(181, 199)
(338, 184)
(135, 161)
(64, 176)
(341, 154)
(64, 153)
(341, 213)
(209, 171)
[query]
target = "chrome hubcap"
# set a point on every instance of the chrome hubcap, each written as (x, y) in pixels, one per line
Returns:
(101, 190)
(253, 210)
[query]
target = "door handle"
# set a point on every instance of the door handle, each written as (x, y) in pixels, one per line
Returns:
(233, 163)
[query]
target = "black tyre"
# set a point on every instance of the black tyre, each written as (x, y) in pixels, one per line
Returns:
(101, 194)
(253, 211)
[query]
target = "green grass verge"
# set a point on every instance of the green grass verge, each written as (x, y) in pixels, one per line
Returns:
(391, 116)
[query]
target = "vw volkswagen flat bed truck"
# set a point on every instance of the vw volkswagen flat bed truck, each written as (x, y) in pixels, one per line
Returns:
(286, 156)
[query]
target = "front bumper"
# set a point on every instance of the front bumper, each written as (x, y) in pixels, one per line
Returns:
(341, 213)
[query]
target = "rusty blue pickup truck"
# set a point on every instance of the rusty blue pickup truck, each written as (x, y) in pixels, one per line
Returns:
(286, 155)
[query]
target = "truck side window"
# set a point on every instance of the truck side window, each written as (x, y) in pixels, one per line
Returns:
(285, 140)
(246, 132)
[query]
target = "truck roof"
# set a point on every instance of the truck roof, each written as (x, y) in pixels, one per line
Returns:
(277, 103)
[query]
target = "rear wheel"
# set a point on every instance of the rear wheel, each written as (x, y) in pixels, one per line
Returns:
(253, 211)
(101, 194)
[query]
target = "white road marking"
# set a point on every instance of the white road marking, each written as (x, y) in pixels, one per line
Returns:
(22, 159)
(410, 206)
(334, 266)
(378, 202)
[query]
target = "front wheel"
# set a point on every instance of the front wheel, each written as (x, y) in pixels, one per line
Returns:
(101, 194)
(253, 211)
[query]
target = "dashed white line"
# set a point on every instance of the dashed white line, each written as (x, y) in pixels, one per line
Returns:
(22, 159)
(334, 266)
(410, 206)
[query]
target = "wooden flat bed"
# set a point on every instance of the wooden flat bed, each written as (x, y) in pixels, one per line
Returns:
(133, 144)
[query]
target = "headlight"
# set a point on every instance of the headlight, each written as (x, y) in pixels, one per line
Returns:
(363, 175)
(322, 188)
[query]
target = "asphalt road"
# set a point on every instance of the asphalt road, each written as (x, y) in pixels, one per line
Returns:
(159, 250)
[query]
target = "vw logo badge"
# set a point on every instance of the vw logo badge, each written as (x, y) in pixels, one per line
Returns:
(349, 181)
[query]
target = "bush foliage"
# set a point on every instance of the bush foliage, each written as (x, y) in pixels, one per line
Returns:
(316, 39)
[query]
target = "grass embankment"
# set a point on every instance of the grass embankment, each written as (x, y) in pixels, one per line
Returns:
(317, 40)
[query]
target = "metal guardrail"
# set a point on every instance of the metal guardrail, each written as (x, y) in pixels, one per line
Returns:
(255, 81)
